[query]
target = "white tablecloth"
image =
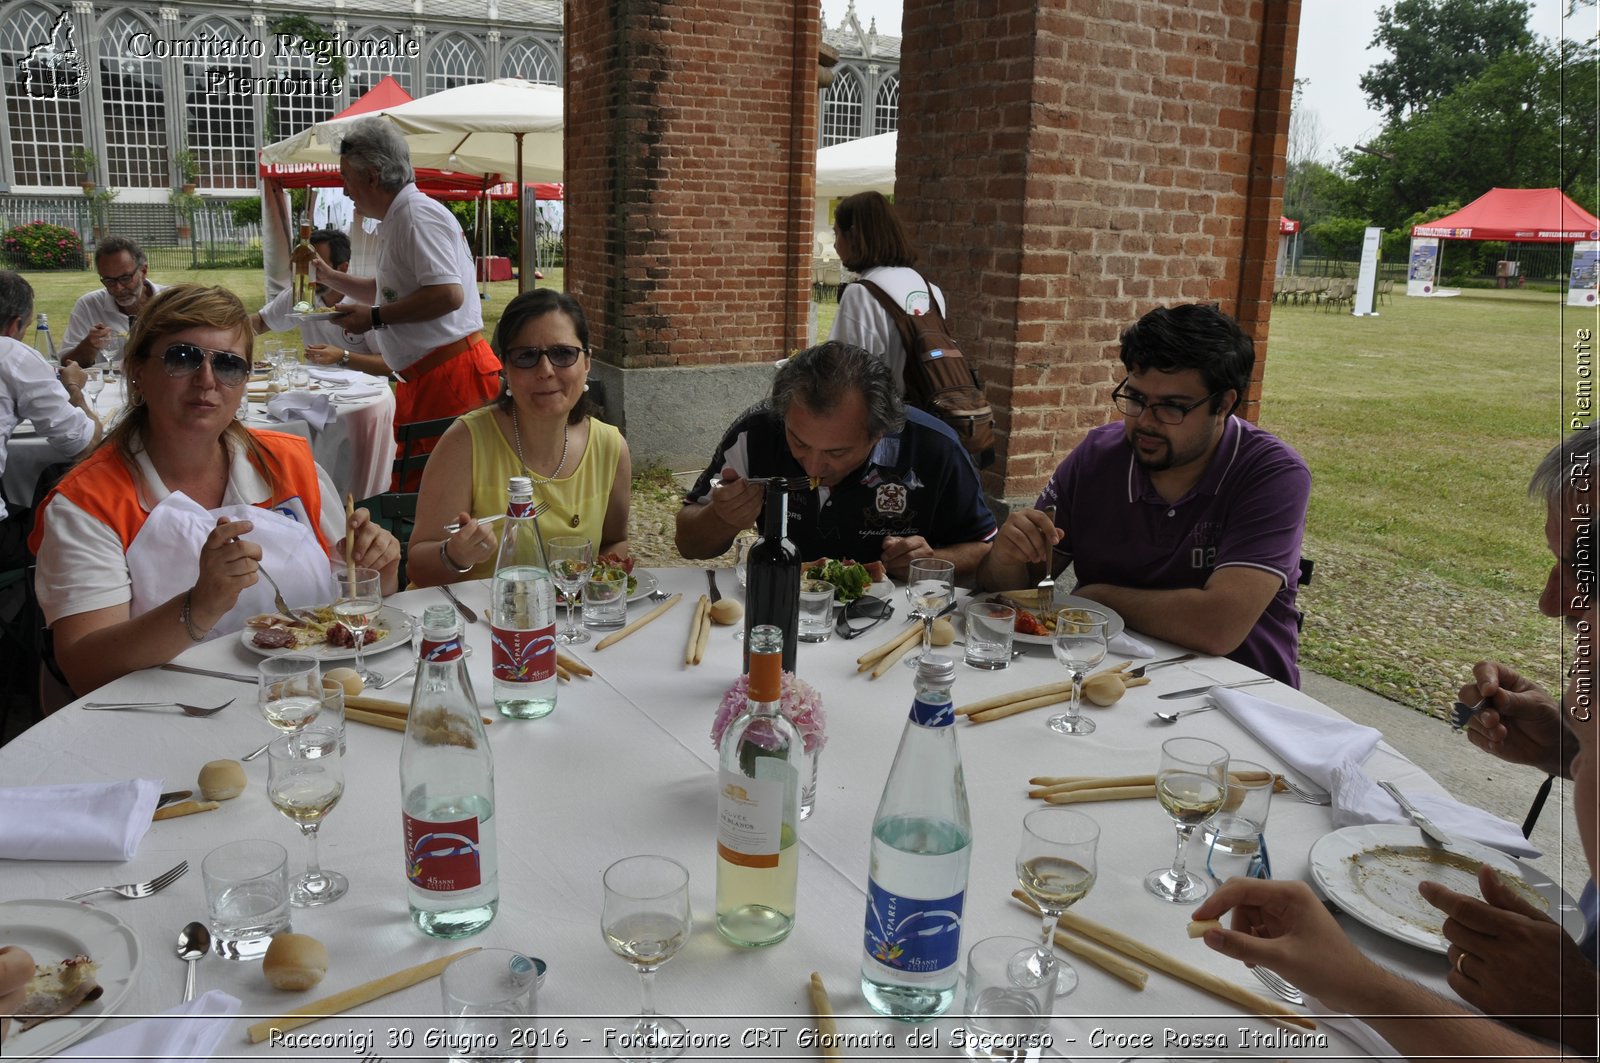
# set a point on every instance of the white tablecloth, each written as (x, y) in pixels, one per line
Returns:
(625, 766)
(356, 447)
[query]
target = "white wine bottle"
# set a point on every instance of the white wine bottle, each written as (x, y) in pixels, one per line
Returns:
(758, 807)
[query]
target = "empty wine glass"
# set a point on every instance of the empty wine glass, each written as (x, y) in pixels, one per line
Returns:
(930, 586)
(94, 382)
(1080, 644)
(359, 596)
(646, 921)
(1056, 866)
(571, 561)
(1190, 784)
(289, 690)
(305, 779)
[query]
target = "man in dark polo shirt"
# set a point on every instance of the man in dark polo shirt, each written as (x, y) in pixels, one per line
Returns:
(1183, 518)
(893, 483)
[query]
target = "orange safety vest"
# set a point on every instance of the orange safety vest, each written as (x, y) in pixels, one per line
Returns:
(102, 486)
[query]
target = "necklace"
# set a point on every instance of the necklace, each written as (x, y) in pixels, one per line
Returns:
(516, 436)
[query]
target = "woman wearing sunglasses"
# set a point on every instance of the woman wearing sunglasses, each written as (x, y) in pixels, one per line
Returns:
(155, 541)
(540, 427)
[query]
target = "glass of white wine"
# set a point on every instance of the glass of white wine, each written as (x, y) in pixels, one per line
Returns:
(571, 561)
(305, 779)
(1056, 866)
(358, 597)
(1190, 784)
(289, 690)
(646, 921)
(1079, 643)
(930, 586)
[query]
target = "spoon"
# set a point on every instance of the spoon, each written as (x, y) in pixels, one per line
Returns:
(1172, 717)
(194, 941)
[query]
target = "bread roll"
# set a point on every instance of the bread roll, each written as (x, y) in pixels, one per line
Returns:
(725, 611)
(1199, 927)
(295, 962)
(944, 632)
(348, 678)
(221, 780)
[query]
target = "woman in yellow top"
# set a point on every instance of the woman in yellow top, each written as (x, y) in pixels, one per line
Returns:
(539, 427)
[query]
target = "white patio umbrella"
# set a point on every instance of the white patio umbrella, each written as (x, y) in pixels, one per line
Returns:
(864, 165)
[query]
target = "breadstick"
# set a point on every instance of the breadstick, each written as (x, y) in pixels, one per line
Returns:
(1198, 927)
(1104, 959)
(618, 636)
(183, 808)
(705, 635)
(562, 674)
(383, 705)
(1063, 687)
(694, 629)
(349, 558)
(1105, 793)
(573, 665)
(365, 993)
(867, 660)
(1048, 785)
(1015, 707)
(376, 719)
(887, 661)
(827, 1027)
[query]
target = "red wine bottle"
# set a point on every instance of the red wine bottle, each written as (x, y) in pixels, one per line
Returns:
(772, 578)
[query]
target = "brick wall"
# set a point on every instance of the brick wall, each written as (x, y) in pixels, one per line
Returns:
(1064, 168)
(690, 140)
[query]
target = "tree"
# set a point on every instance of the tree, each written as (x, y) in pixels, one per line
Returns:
(1436, 45)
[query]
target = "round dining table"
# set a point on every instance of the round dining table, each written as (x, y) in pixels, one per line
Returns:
(625, 766)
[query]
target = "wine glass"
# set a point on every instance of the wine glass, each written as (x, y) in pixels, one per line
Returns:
(305, 779)
(1056, 866)
(930, 586)
(571, 560)
(359, 596)
(1190, 784)
(94, 382)
(289, 690)
(1080, 644)
(646, 921)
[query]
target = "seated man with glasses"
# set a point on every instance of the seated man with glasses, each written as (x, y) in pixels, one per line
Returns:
(101, 319)
(1183, 518)
(892, 484)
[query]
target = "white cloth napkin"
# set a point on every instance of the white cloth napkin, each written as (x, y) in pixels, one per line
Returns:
(356, 391)
(1357, 799)
(76, 821)
(1312, 745)
(188, 1032)
(1125, 645)
(305, 406)
(334, 376)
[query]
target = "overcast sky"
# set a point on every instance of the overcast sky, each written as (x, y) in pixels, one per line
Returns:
(1342, 29)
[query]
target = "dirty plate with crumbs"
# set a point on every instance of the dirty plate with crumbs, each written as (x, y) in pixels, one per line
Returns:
(1371, 871)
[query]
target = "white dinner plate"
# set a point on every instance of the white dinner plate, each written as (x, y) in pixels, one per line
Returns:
(52, 931)
(398, 623)
(313, 315)
(1070, 601)
(1371, 871)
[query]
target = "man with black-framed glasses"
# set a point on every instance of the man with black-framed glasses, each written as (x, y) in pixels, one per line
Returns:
(101, 318)
(1183, 518)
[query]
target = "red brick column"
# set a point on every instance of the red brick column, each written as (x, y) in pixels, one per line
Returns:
(1066, 167)
(690, 168)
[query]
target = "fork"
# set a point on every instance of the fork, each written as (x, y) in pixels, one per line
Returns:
(1047, 586)
(1461, 713)
(1135, 673)
(136, 890)
(1279, 985)
(788, 483)
(198, 711)
(1309, 795)
(277, 595)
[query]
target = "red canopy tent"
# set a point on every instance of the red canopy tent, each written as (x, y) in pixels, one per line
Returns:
(1525, 215)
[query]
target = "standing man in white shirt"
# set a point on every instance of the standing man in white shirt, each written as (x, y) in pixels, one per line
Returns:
(30, 390)
(107, 313)
(421, 312)
(325, 341)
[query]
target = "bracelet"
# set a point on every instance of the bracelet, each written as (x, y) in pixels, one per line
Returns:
(377, 322)
(444, 555)
(188, 622)
(346, 359)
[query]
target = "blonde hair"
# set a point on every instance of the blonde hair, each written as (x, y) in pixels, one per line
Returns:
(174, 309)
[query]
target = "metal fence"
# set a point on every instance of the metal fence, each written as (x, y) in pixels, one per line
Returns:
(213, 240)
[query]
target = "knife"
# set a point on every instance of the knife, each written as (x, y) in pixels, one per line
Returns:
(1434, 835)
(1194, 692)
(466, 614)
(189, 670)
(711, 584)
(175, 795)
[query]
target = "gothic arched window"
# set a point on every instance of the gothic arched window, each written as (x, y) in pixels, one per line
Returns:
(886, 109)
(44, 79)
(220, 125)
(134, 102)
(531, 60)
(841, 109)
(454, 61)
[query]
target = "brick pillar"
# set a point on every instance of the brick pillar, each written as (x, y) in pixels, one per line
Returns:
(1072, 166)
(691, 140)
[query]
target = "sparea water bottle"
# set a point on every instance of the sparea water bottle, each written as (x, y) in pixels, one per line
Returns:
(758, 807)
(522, 613)
(43, 341)
(772, 578)
(447, 791)
(921, 849)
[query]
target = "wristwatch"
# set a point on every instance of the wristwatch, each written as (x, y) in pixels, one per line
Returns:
(377, 321)
(345, 360)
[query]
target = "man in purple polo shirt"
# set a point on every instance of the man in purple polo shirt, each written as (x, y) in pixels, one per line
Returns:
(1184, 519)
